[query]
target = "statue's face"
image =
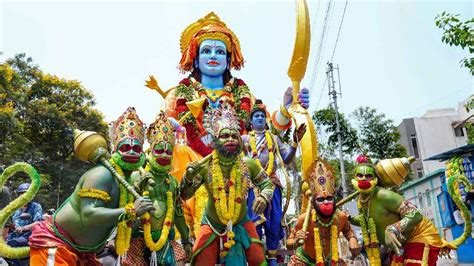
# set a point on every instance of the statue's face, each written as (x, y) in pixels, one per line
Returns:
(324, 204)
(229, 142)
(130, 150)
(258, 120)
(212, 57)
(161, 155)
(365, 179)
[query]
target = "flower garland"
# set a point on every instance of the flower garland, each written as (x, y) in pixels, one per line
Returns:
(124, 228)
(369, 234)
(333, 242)
(167, 223)
(271, 152)
(235, 89)
(227, 208)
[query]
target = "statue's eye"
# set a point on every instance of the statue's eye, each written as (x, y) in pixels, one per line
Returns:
(220, 52)
(206, 51)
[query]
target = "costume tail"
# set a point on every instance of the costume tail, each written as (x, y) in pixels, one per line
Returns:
(5, 250)
(455, 176)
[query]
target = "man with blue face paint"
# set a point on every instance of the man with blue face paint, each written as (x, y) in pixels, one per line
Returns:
(266, 149)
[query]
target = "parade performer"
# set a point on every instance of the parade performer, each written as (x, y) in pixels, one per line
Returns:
(226, 231)
(386, 218)
(209, 50)
(318, 245)
(82, 225)
(267, 150)
(156, 239)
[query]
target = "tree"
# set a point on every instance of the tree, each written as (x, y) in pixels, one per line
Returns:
(38, 112)
(325, 121)
(377, 135)
(458, 33)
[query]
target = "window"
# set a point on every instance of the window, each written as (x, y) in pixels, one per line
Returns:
(414, 144)
(428, 198)
(419, 172)
(459, 131)
(420, 199)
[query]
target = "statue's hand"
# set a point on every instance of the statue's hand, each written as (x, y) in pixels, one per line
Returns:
(142, 205)
(299, 133)
(259, 205)
(303, 97)
(300, 235)
(392, 241)
(354, 247)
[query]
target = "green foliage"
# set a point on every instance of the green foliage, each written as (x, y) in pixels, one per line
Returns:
(325, 120)
(458, 33)
(38, 112)
(377, 135)
(470, 133)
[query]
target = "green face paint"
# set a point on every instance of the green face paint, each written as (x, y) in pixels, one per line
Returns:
(117, 157)
(365, 178)
(160, 156)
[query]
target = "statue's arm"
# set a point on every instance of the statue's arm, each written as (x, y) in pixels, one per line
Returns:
(260, 179)
(93, 210)
(410, 215)
(287, 154)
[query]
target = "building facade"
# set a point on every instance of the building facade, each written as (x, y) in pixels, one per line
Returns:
(435, 132)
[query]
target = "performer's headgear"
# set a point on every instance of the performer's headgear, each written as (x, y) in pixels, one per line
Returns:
(209, 27)
(259, 106)
(161, 129)
(220, 118)
(321, 179)
(128, 125)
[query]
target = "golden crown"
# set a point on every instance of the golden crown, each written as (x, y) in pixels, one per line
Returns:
(321, 179)
(128, 125)
(209, 27)
(161, 129)
(220, 118)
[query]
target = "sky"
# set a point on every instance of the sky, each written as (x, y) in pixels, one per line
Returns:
(389, 53)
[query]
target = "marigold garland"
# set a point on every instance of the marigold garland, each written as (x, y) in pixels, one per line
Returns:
(333, 242)
(124, 229)
(167, 223)
(369, 235)
(271, 152)
(227, 208)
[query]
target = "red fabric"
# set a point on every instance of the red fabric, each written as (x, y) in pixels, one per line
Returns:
(414, 251)
(210, 254)
(195, 142)
(181, 106)
(240, 82)
(186, 82)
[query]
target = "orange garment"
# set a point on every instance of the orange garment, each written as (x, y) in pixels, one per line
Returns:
(61, 255)
(44, 245)
(210, 254)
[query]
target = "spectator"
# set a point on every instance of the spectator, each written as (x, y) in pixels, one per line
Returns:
(24, 219)
(5, 198)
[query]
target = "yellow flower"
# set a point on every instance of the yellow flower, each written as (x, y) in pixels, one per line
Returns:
(155, 246)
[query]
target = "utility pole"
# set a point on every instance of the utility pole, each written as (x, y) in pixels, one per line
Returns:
(333, 93)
